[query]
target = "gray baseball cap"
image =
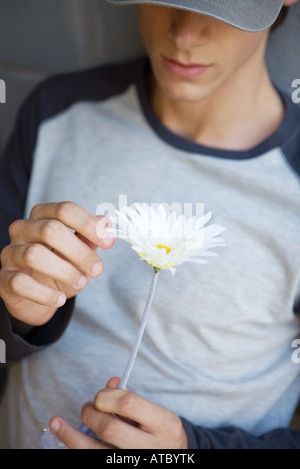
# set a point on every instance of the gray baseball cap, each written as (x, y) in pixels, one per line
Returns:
(250, 15)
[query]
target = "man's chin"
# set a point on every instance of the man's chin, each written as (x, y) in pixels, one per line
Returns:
(186, 93)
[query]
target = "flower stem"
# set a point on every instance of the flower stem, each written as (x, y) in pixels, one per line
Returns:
(140, 332)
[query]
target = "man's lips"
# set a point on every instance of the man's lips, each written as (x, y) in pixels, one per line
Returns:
(184, 70)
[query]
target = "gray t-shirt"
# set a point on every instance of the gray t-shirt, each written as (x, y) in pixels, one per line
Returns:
(217, 349)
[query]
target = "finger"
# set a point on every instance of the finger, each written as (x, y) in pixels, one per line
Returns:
(114, 431)
(114, 383)
(38, 258)
(58, 237)
(102, 225)
(19, 284)
(78, 219)
(86, 241)
(134, 407)
(72, 437)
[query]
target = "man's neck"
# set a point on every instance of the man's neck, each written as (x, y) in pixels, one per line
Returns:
(239, 115)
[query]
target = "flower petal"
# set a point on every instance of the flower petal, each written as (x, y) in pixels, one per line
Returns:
(149, 229)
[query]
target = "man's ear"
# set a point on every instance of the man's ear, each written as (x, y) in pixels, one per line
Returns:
(289, 3)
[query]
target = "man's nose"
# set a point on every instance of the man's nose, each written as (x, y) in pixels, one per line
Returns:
(187, 29)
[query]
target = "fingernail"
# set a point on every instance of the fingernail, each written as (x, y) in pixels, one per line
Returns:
(54, 426)
(97, 268)
(82, 281)
(101, 227)
(61, 300)
(107, 240)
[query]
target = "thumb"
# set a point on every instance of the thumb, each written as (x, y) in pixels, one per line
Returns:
(113, 383)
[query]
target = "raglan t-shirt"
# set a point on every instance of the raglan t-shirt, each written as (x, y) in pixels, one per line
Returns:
(218, 347)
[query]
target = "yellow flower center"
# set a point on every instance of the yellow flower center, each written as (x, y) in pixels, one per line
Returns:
(162, 246)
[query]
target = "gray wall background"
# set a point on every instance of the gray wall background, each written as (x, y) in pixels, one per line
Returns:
(39, 38)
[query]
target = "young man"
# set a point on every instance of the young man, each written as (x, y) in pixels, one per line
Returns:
(200, 121)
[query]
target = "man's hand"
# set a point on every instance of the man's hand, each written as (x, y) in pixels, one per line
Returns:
(145, 425)
(50, 258)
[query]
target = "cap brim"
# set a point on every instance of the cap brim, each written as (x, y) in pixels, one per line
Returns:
(249, 15)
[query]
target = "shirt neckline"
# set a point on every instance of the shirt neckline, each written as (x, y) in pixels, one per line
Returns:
(277, 139)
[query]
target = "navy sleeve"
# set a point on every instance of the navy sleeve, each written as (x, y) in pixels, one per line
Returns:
(37, 339)
(235, 438)
(49, 98)
(20, 346)
(15, 170)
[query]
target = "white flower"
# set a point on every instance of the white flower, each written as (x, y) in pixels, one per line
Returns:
(166, 241)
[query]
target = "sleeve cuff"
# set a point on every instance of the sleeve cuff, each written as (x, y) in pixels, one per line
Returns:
(235, 438)
(22, 340)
